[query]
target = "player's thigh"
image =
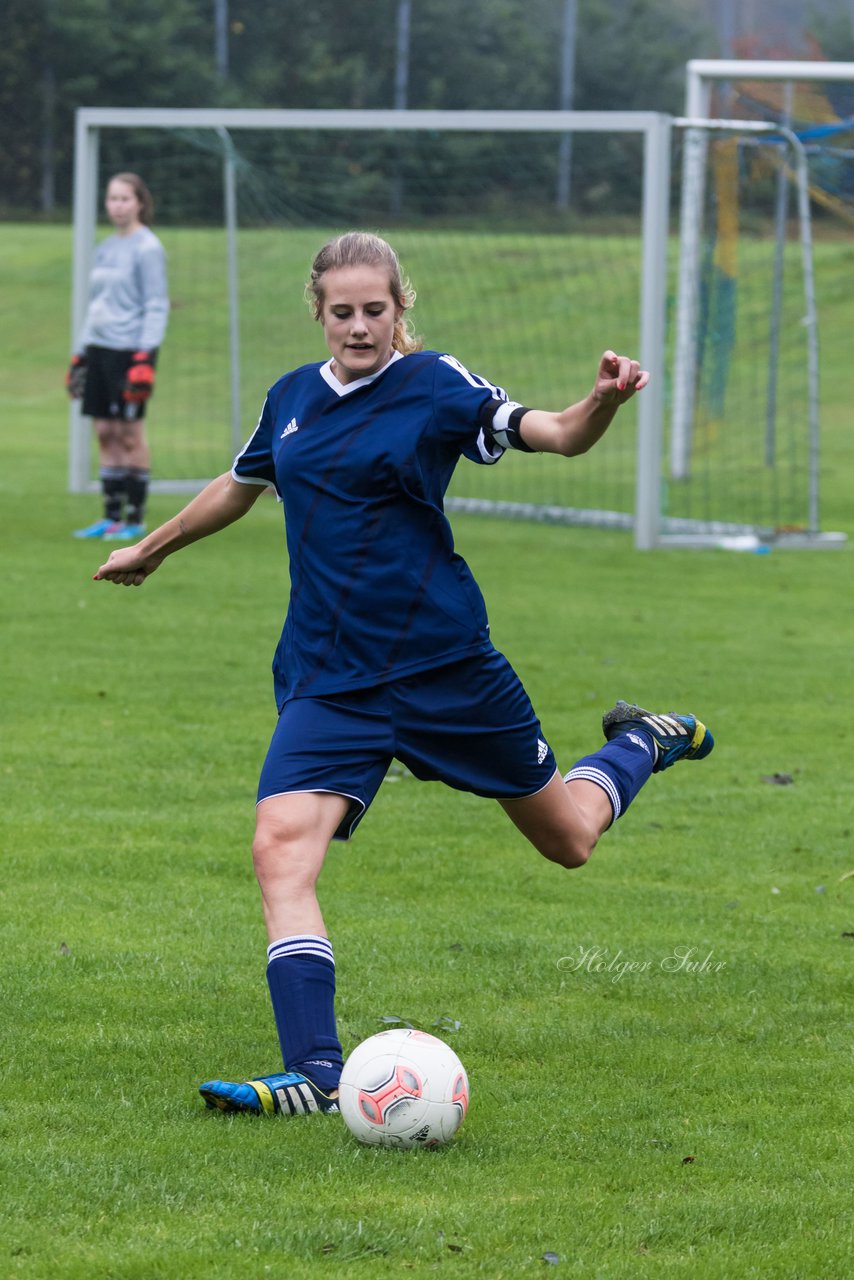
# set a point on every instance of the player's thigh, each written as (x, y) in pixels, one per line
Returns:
(554, 823)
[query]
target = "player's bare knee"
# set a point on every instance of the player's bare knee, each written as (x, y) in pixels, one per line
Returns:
(271, 848)
(284, 856)
(568, 851)
(574, 855)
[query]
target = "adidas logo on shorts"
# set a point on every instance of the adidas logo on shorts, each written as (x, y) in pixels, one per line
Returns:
(542, 750)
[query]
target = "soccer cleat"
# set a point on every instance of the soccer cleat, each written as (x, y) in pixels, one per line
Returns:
(676, 737)
(100, 529)
(125, 533)
(291, 1094)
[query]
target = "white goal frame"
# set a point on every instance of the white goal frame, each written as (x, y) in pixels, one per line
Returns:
(653, 127)
(701, 76)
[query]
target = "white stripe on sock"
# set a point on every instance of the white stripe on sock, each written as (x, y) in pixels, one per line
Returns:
(301, 945)
(588, 774)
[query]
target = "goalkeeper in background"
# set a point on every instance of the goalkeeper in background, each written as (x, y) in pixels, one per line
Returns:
(112, 368)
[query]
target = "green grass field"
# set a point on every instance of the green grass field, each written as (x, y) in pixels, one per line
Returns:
(659, 1045)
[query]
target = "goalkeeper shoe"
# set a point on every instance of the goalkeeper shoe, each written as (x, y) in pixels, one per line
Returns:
(290, 1094)
(125, 533)
(676, 737)
(100, 529)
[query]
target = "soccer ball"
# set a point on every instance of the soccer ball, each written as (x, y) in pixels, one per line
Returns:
(403, 1088)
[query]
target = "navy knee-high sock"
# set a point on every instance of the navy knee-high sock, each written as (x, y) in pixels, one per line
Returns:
(301, 978)
(620, 768)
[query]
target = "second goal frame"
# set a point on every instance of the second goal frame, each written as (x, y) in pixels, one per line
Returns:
(702, 77)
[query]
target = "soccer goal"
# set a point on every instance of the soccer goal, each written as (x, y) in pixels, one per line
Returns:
(521, 290)
(525, 288)
(744, 449)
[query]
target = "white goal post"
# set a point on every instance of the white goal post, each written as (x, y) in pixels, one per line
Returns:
(702, 76)
(653, 128)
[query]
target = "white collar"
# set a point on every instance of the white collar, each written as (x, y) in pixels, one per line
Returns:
(344, 388)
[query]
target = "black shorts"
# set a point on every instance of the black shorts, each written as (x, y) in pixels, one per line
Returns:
(106, 370)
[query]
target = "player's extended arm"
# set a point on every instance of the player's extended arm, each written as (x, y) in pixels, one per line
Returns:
(222, 502)
(577, 428)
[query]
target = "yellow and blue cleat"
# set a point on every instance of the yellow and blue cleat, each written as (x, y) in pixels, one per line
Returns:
(289, 1094)
(676, 737)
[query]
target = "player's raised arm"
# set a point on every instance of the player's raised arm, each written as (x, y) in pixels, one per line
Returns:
(222, 502)
(578, 427)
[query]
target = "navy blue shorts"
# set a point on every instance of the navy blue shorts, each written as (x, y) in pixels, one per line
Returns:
(469, 724)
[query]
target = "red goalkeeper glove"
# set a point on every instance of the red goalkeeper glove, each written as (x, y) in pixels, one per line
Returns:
(75, 378)
(139, 379)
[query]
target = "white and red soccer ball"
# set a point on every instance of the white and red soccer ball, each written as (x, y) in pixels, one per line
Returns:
(403, 1088)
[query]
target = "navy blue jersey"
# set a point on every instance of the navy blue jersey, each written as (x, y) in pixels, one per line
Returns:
(377, 589)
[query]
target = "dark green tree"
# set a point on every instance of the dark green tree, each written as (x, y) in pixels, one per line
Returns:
(58, 55)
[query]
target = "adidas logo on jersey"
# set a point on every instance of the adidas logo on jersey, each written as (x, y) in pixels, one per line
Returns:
(289, 429)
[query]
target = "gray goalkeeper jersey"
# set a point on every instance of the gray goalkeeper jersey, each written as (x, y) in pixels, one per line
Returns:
(128, 298)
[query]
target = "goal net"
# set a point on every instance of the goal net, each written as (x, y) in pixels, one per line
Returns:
(521, 290)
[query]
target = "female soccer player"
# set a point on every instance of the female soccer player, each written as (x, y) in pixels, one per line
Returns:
(112, 369)
(385, 649)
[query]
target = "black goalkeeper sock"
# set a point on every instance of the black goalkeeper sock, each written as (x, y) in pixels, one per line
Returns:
(137, 492)
(113, 487)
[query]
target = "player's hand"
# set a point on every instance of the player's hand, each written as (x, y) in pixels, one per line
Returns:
(75, 378)
(128, 567)
(139, 379)
(618, 378)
